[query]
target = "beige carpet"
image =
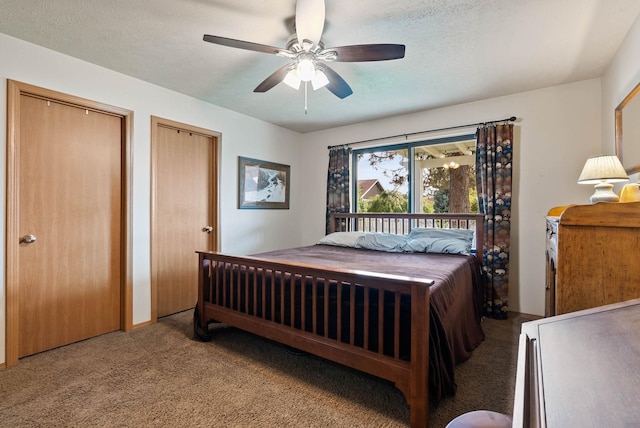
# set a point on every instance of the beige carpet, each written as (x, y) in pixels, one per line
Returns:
(159, 376)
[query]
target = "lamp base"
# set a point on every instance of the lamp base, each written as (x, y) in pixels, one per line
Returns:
(603, 193)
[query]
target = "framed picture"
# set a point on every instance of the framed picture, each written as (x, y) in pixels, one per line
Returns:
(262, 184)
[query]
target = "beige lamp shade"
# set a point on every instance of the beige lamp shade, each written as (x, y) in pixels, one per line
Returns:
(602, 171)
(603, 168)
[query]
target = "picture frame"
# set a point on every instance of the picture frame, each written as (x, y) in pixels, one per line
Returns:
(263, 184)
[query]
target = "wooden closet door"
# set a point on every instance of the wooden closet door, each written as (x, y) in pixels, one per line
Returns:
(70, 210)
(184, 192)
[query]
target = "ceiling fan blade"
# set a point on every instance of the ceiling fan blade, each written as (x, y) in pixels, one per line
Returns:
(275, 78)
(241, 44)
(336, 85)
(357, 53)
(309, 20)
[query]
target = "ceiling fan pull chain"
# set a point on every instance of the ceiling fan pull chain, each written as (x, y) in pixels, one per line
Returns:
(305, 97)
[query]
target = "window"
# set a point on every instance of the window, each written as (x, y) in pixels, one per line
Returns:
(421, 177)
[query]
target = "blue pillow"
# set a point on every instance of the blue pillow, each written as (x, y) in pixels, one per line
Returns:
(433, 240)
(382, 242)
(429, 232)
(437, 245)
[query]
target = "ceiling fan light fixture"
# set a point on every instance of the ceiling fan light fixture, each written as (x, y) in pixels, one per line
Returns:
(292, 80)
(320, 80)
(305, 69)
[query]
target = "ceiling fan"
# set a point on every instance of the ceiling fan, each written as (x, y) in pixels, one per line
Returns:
(308, 55)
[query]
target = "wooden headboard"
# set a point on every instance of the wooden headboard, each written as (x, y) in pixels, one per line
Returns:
(402, 223)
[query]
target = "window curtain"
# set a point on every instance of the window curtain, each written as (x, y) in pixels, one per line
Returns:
(338, 181)
(494, 151)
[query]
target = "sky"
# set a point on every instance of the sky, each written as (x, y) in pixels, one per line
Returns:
(365, 171)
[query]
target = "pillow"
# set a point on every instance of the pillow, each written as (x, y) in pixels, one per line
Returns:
(437, 245)
(382, 242)
(434, 240)
(430, 232)
(341, 239)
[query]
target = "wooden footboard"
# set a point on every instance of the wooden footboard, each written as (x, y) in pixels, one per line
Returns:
(350, 317)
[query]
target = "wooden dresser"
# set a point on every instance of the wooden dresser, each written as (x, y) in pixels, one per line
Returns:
(580, 369)
(592, 256)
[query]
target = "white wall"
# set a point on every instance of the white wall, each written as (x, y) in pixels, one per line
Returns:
(242, 231)
(556, 130)
(622, 75)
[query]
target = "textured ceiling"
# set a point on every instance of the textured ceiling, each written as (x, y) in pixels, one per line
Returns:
(456, 50)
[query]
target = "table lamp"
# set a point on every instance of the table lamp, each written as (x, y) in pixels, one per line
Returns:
(602, 171)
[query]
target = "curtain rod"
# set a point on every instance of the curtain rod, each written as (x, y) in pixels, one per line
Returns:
(511, 119)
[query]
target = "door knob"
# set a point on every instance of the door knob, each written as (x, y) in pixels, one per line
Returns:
(28, 239)
(207, 229)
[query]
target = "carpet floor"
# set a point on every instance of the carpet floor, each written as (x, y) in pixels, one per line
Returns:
(159, 376)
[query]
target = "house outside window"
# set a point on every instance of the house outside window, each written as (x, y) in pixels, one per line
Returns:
(369, 189)
(433, 176)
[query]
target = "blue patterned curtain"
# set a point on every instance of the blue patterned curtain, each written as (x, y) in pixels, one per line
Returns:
(338, 181)
(494, 150)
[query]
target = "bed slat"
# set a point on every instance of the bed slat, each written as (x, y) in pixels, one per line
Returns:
(314, 305)
(380, 321)
(367, 290)
(338, 311)
(326, 308)
(352, 314)
(396, 325)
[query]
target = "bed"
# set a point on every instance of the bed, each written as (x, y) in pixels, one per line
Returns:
(403, 315)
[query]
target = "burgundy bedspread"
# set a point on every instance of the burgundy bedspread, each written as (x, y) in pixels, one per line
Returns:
(455, 302)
